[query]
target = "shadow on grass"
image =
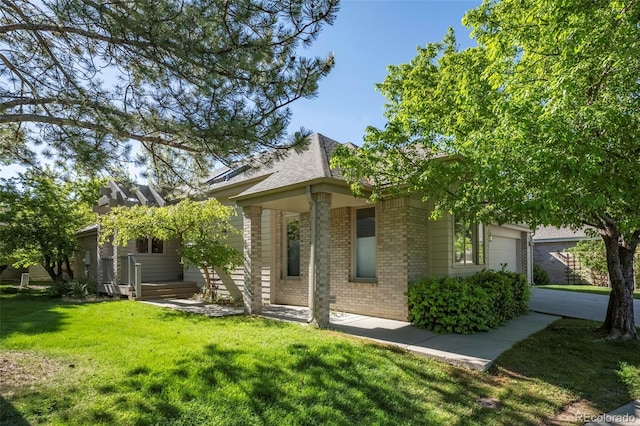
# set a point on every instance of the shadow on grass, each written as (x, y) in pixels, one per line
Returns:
(336, 383)
(9, 415)
(573, 354)
(31, 312)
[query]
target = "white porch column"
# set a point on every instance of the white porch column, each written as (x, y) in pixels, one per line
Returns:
(252, 296)
(319, 272)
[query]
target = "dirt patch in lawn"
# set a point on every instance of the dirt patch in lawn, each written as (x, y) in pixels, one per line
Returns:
(572, 413)
(24, 370)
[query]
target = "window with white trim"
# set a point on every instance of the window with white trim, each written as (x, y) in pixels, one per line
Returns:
(468, 242)
(365, 246)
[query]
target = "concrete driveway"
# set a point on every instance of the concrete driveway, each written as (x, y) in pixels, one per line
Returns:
(573, 304)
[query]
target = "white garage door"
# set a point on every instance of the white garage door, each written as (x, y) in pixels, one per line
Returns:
(504, 251)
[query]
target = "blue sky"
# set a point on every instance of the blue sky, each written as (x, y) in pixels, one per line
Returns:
(367, 36)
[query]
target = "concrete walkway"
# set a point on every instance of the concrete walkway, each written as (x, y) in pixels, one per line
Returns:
(196, 307)
(476, 351)
(573, 304)
(626, 415)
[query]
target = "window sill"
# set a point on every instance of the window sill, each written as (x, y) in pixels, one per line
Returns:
(459, 265)
(361, 281)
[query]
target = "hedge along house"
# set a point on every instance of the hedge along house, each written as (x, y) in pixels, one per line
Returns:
(308, 241)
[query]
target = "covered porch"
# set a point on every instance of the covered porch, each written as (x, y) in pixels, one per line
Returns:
(152, 291)
(312, 205)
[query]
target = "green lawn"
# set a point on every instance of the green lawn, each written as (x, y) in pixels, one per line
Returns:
(123, 362)
(585, 289)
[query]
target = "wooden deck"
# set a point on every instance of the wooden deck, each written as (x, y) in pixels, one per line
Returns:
(154, 290)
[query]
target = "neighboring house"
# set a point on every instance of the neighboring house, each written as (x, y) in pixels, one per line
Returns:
(309, 241)
(114, 268)
(11, 274)
(550, 253)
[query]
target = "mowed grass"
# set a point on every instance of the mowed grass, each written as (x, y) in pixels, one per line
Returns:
(123, 362)
(605, 291)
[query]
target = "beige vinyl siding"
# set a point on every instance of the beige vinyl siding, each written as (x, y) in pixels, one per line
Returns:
(38, 273)
(88, 243)
(155, 266)
(440, 233)
(11, 274)
(233, 283)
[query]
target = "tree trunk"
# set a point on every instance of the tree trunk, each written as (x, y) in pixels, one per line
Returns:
(68, 265)
(59, 269)
(208, 282)
(49, 268)
(620, 321)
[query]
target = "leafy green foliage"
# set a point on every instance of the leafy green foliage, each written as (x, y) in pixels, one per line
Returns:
(39, 216)
(539, 123)
(191, 82)
(630, 376)
(592, 255)
(77, 289)
(483, 301)
(540, 275)
(203, 227)
(147, 365)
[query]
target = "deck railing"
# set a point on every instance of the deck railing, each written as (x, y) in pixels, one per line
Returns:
(133, 273)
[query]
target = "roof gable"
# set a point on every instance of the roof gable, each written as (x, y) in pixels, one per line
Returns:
(308, 164)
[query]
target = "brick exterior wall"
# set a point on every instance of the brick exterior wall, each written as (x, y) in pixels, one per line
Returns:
(542, 255)
(288, 290)
(321, 218)
(398, 256)
(524, 253)
(402, 252)
(253, 259)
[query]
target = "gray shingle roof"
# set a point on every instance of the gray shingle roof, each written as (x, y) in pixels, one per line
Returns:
(309, 164)
(551, 233)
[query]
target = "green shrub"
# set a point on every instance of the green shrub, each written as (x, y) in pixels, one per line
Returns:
(500, 291)
(486, 300)
(630, 376)
(521, 292)
(79, 289)
(59, 288)
(540, 276)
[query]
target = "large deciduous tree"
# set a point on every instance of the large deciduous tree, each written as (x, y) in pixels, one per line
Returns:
(203, 227)
(39, 217)
(538, 123)
(190, 81)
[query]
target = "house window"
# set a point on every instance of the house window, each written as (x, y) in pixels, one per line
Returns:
(292, 225)
(468, 242)
(365, 247)
(149, 245)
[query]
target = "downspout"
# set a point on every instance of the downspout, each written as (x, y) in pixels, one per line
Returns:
(530, 245)
(312, 254)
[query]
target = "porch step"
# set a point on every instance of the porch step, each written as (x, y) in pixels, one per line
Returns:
(173, 290)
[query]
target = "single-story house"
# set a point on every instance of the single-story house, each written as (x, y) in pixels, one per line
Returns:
(309, 241)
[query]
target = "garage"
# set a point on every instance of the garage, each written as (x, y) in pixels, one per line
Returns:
(503, 250)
